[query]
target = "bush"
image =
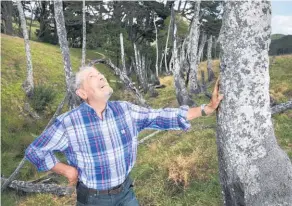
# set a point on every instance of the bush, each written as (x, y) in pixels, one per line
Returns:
(42, 97)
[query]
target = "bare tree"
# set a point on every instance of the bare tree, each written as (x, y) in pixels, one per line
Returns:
(157, 54)
(209, 60)
(84, 33)
(192, 50)
(201, 48)
(6, 16)
(253, 169)
(166, 44)
(141, 68)
(28, 85)
(182, 94)
(123, 53)
(62, 35)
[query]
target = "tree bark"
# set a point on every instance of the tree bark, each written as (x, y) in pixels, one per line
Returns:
(28, 84)
(62, 36)
(253, 169)
(7, 16)
(209, 60)
(166, 45)
(84, 34)
(193, 48)
(157, 54)
(181, 91)
(123, 53)
(281, 107)
(201, 48)
(29, 187)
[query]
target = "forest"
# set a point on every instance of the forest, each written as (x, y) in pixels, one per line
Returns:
(156, 54)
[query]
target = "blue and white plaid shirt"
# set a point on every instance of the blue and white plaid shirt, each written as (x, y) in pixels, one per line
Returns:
(103, 151)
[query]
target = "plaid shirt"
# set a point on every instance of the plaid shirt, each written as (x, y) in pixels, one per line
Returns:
(103, 151)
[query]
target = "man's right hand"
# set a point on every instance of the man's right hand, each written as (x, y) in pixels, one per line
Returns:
(67, 171)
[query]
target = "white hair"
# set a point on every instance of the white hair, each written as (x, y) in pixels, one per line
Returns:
(76, 80)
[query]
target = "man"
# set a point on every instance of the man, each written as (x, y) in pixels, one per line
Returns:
(99, 139)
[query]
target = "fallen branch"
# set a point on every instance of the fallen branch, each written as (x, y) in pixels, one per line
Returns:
(20, 165)
(124, 78)
(39, 188)
(281, 107)
(148, 136)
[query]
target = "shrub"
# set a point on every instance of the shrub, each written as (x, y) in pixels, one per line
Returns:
(42, 97)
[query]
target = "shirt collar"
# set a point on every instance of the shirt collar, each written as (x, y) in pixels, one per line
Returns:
(87, 108)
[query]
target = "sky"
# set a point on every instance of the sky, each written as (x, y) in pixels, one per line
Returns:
(282, 17)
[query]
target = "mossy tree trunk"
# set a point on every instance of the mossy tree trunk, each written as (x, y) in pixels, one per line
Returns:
(253, 169)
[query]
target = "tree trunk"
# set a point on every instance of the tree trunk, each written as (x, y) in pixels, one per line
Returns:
(193, 48)
(62, 35)
(84, 34)
(209, 60)
(141, 69)
(166, 45)
(7, 16)
(123, 53)
(28, 85)
(201, 48)
(181, 91)
(253, 169)
(156, 62)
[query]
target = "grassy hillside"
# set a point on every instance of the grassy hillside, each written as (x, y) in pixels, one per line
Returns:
(173, 168)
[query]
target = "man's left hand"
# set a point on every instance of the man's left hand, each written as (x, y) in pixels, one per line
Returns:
(215, 100)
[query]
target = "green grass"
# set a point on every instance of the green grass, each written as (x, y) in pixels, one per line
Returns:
(173, 168)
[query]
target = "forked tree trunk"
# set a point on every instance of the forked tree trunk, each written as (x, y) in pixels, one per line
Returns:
(193, 50)
(209, 60)
(28, 85)
(253, 169)
(181, 91)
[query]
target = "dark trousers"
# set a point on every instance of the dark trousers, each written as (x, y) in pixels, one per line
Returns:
(125, 197)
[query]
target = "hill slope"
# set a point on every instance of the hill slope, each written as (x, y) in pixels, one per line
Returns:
(173, 168)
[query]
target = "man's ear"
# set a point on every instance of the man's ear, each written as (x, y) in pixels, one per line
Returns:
(81, 93)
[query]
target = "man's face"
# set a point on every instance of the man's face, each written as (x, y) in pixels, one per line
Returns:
(95, 86)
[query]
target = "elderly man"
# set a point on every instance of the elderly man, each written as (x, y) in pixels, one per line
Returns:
(99, 140)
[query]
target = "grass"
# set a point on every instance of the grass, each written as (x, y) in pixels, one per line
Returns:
(173, 168)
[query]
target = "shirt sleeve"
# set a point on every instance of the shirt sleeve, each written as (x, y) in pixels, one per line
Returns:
(41, 151)
(162, 119)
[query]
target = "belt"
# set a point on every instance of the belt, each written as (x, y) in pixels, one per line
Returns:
(114, 190)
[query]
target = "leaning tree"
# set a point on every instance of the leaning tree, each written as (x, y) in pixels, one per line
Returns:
(253, 169)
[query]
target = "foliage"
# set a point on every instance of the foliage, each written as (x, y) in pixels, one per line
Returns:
(42, 97)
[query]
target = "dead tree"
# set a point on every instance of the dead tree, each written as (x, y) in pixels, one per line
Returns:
(281, 107)
(62, 36)
(123, 53)
(141, 69)
(201, 48)
(192, 50)
(28, 84)
(181, 91)
(253, 169)
(29, 187)
(84, 34)
(6, 14)
(209, 60)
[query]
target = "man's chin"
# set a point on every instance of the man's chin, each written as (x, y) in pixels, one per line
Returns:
(109, 93)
